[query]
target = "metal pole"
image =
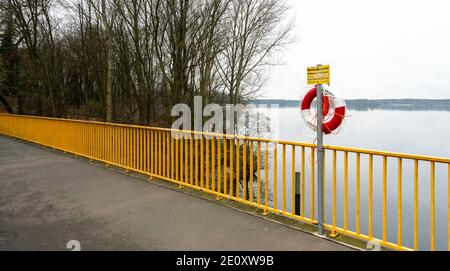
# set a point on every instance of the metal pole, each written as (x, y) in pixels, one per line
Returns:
(297, 192)
(320, 152)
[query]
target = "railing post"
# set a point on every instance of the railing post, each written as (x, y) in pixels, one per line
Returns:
(297, 193)
(320, 152)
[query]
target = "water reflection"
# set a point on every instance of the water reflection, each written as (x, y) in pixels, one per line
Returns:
(416, 132)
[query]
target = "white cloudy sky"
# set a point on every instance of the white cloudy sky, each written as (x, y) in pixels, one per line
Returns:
(376, 49)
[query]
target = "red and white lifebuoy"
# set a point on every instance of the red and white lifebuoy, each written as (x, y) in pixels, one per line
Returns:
(331, 120)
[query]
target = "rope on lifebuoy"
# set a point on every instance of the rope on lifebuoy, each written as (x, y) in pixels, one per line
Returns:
(332, 121)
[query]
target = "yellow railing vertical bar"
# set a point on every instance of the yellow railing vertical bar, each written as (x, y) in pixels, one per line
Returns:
(133, 148)
(79, 136)
(123, 134)
(213, 165)
(177, 158)
(202, 164)
(99, 142)
(283, 178)
(149, 152)
(346, 191)
(168, 155)
(172, 155)
(238, 168)
(313, 183)
(293, 180)
(117, 142)
(130, 147)
(113, 146)
(250, 186)
(75, 137)
(181, 158)
(196, 160)
(416, 205)
(134, 131)
(225, 165)
(208, 177)
(160, 154)
(143, 150)
(231, 167)
(95, 142)
(138, 149)
(186, 159)
(399, 201)
(244, 169)
(120, 144)
(141, 143)
(384, 198)
(258, 167)
(124, 146)
(163, 154)
(127, 146)
(448, 206)
(162, 145)
(91, 141)
(191, 158)
(219, 167)
(302, 192)
(67, 140)
(334, 189)
(83, 140)
(275, 176)
(102, 141)
(266, 179)
(152, 152)
(162, 149)
(83, 137)
(370, 200)
(108, 145)
(358, 193)
(157, 153)
(432, 207)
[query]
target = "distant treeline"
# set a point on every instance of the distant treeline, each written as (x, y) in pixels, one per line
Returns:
(366, 104)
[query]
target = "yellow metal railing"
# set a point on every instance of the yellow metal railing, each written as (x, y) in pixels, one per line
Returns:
(223, 165)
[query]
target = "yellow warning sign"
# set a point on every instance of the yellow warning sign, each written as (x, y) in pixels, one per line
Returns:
(319, 75)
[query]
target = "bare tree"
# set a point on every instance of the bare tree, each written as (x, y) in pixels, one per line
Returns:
(131, 61)
(256, 30)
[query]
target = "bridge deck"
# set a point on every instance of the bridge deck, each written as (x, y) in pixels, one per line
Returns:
(47, 199)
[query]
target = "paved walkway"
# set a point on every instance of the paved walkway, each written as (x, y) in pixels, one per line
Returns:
(47, 199)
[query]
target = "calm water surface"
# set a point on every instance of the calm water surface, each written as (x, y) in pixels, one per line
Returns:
(413, 132)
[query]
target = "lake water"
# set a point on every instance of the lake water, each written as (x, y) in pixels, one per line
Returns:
(413, 132)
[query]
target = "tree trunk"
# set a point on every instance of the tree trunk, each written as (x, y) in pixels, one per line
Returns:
(6, 104)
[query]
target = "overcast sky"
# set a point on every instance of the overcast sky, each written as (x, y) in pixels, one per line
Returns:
(376, 49)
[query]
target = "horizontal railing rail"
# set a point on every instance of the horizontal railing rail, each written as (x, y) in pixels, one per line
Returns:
(274, 175)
